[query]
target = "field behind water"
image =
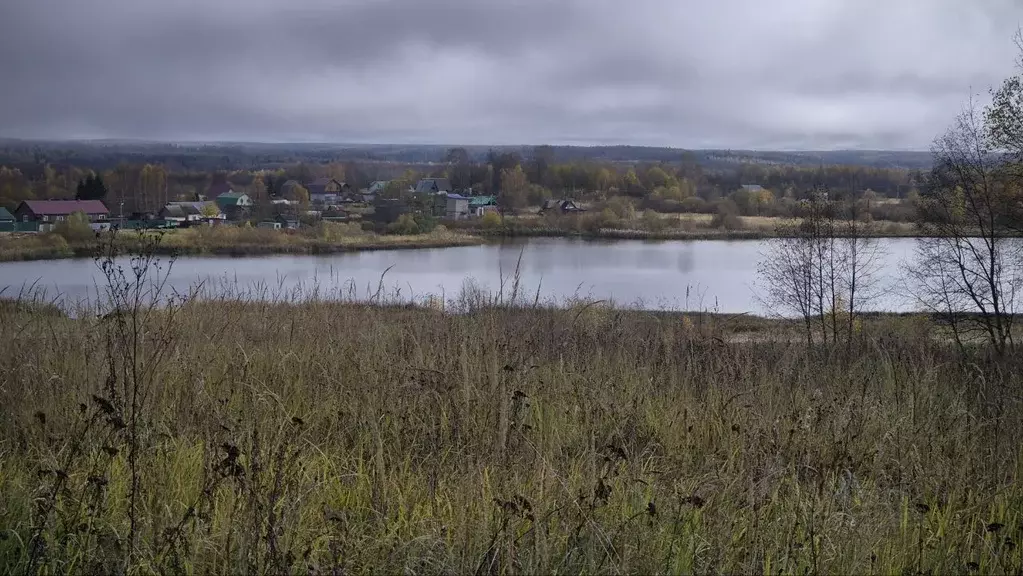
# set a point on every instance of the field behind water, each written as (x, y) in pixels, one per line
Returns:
(320, 437)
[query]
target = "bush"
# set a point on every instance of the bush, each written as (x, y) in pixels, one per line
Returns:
(425, 223)
(727, 216)
(594, 222)
(654, 222)
(404, 225)
(491, 220)
(622, 208)
(75, 229)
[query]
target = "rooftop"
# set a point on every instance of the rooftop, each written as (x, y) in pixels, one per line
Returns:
(482, 200)
(65, 207)
(433, 184)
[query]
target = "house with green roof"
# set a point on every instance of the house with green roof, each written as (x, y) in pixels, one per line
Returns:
(480, 205)
(5, 216)
(233, 199)
(234, 205)
(478, 201)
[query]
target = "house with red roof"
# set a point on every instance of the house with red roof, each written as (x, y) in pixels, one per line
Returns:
(49, 212)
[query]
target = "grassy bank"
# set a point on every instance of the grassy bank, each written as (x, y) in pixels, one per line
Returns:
(661, 227)
(229, 241)
(332, 238)
(319, 437)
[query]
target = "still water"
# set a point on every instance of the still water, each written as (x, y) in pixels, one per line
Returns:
(681, 275)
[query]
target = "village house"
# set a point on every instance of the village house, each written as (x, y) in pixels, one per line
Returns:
(49, 212)
(480, 205)
(281, 221)
(234, 205)
(13, 225)
(433, 186)
(562, 206)
(287, 221)
(327, 191)
(180, 213)
(456, 207)
(191, 212)
(228, 199)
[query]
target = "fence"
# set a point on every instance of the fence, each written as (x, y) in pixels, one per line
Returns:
(19, 226)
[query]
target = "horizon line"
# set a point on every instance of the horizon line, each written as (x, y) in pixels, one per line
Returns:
(204, 142)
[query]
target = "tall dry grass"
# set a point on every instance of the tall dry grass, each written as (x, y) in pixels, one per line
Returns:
(317, 437)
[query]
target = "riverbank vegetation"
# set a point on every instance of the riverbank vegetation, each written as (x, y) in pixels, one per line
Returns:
(325, 238)
(71, 240)
(621, 220)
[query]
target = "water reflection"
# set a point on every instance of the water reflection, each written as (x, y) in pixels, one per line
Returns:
(691, 275)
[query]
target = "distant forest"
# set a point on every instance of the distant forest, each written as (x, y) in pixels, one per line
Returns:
(103, 155)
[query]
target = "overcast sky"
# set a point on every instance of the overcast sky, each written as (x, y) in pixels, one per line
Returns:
(765, 74)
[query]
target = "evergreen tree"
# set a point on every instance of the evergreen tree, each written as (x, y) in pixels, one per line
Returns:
(91, 188)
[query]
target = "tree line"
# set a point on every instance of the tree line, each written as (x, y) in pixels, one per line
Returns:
(518, 180)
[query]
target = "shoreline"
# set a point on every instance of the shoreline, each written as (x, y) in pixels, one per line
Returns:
(240, 250)
(616, 234)
(29, 248)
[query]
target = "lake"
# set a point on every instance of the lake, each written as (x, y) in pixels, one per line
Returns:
(683, 275)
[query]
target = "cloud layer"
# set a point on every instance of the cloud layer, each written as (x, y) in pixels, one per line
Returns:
(810, 74)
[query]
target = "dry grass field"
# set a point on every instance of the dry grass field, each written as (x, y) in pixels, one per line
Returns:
(318, 437)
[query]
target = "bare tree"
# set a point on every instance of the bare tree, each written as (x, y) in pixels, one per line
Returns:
(968, 261)
(861, 259)
(823, 270)
(787, 275)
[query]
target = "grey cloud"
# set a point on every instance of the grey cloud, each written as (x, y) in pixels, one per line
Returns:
(699, 73)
